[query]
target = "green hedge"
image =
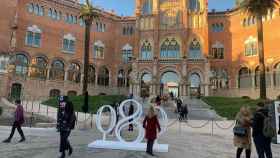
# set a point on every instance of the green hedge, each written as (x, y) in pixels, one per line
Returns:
(228, 106)
(94, 101)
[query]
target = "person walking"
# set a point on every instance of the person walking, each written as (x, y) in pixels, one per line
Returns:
(130, 112)
(185, 112)
(18, 121)
(262, 143)
(243, 120)
(151, 125)
(158, 100)
(66, 122)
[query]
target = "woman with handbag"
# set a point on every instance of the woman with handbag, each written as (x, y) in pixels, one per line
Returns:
(242, 132)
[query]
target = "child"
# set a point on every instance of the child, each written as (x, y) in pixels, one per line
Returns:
(151, 124)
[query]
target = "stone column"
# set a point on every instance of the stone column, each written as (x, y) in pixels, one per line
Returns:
(66, 75)
(272, 79)
(206, 90)
(82, 78)
(48, 73)
(253, 81)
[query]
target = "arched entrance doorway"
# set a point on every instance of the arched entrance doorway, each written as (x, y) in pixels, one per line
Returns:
(195, 82)
(16, 91)
(169, 83)
(145, 85)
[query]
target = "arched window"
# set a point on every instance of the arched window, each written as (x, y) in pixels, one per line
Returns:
(39, 68)
(21, 63)
(103, 76)
(37, 9)
(126, 53)
(121, 78)
(146, 51)
(244, 78)
(195, 80)
(54, 15)
(147, 7)
(69, 43)
(217, 51)
(74, 73)
(33, 36)
(98, 50)
(54, 93)
(91, 75)
(30, 8)
(170, 48)
(194, 5)
(57, 70)
(195, 49)
(41, 11)
(50, 13)
(251, 46)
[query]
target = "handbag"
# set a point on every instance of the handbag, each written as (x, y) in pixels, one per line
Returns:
(240, 131)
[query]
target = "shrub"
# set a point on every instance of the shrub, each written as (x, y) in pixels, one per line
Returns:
(245, 97)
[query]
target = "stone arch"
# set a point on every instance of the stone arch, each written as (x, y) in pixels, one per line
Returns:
(170, 68)
(103, 76)
(199, 71)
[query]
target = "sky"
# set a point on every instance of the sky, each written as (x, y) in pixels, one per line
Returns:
(126, 7)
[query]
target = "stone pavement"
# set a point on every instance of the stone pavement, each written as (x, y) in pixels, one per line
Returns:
(185, 142)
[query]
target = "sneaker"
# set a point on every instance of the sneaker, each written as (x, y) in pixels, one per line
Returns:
(22, 140)
(7, 141)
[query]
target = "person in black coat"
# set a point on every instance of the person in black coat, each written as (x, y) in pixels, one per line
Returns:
(262, 143)
(130, 112)
(65, 123)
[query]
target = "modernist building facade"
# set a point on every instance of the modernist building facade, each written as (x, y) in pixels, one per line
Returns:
(167, 46)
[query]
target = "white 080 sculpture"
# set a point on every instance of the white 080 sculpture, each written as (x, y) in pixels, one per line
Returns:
(121, 144)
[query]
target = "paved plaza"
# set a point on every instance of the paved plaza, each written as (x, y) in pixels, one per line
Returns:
(185, 141)
(200, 137)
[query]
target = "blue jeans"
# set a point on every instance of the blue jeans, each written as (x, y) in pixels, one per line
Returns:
(263, 146)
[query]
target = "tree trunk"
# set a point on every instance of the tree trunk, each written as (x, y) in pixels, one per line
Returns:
(261, 57)
(86, 56)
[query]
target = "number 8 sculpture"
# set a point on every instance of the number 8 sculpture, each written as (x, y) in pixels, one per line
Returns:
(125, 121)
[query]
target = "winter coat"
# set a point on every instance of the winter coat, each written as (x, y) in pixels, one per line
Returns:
(151, 125)
(243, 142)
(66, 118)
(19, 115)
(258, 120)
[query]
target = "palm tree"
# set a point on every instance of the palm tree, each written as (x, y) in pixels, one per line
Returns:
(88, 14)
(259, 9)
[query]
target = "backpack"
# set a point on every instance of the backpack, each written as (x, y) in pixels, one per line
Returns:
(269, 130)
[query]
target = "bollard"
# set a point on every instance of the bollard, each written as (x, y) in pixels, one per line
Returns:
(31, 119)
(32, 105)
(212, 131)
(91, 120)
(47, 110)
